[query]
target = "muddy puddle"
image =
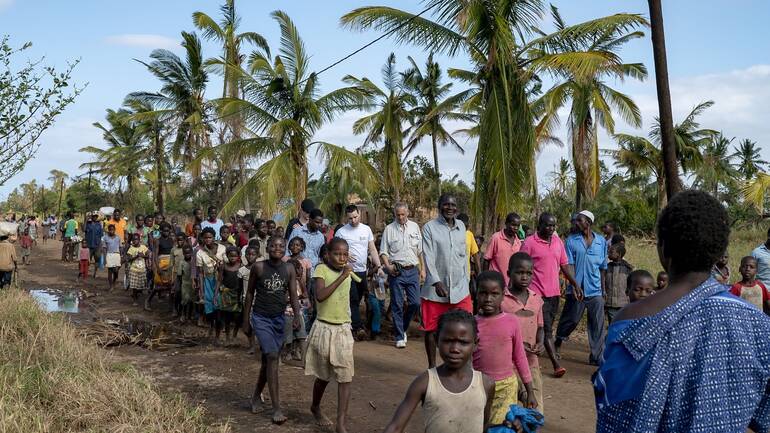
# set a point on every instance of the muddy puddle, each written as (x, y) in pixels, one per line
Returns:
(57, 300)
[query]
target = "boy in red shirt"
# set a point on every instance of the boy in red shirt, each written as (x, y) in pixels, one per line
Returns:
(749, 288)
(25, 242)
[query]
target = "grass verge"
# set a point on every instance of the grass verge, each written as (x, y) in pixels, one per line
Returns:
(51, 380)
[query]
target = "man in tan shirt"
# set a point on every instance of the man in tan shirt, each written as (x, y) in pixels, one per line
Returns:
(7, 261)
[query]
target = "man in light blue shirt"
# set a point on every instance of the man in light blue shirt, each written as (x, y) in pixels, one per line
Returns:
(762, 254)
(312, 236)
(587, 254)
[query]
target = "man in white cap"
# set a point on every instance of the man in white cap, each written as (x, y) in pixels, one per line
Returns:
(587, 255)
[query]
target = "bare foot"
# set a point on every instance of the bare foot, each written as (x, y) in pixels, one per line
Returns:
(258, 405)
(341, 428)
(321, 419)
(278, 417)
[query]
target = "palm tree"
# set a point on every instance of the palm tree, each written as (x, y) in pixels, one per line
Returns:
(593, 101)
(386, 125)
(57, 179)
(226, 32)
(281, 99)
(433, 106)
(561, 177)
(493, 34)
(154, 152)
(181, 103)
(749, 160)
(640, 158)
(689, 138)
(716, 169)
(121, 161)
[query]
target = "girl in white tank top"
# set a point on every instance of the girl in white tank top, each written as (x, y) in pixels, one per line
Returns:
(455, 398)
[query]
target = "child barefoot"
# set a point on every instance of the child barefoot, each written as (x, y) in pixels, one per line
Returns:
(186, 287)
(527, 306)
(329, 354)
(455, 398)
(136, 257)
(500, 347)
(294, 337)
(230, 290)
(639, 285)
(749, 288)
(269, 284)
(208, 260)
(248, 258)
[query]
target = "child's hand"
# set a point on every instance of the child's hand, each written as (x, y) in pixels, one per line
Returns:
(296, 321)
(347, 270)
(531, 401)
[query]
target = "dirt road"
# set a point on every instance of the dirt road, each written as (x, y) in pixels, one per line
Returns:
(222, 379)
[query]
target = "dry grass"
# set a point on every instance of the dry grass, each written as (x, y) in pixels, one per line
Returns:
(643, 253)
(51, 380)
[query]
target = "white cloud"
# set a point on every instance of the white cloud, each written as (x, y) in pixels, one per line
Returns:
(141, 40)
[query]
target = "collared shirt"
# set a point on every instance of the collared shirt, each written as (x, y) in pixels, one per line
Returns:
(444, 257)
(588, 262)
(94, 234)
(313, 243)
(499, 252)
(762, 254)
(547, 260)
(615, 283)
(700, 365)
(402, 244)
(530, 316)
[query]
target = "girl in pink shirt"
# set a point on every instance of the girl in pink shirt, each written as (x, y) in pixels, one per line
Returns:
(500, 348)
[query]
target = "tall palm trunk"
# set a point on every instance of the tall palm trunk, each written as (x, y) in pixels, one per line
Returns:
(671, 169)
(299, 156)
(435, 164)
(661, 184)
(159, 174)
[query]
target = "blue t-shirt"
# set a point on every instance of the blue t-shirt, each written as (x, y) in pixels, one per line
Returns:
(216, 225)
(588, 262)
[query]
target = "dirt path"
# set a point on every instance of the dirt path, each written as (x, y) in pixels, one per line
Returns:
(222, 379)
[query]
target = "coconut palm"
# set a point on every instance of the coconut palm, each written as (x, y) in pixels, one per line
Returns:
(689, 138)
(121, 161)
(640, 158)
(58, 178)
(181, 103)
(494, 35)
(388, 123)
(593, 101)
(282, 101)
(226, 32)
(749, 160)
(562, 177)
(434, 106)
(716, 168)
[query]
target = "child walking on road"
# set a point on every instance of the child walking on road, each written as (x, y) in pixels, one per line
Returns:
(329, 354)
(500, 351)
(270, 283)
(455, 398)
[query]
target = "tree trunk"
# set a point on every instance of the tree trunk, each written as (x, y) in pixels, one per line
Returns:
(668, 146)
(661, 184)
(159, 175)
(435, 164)
(61, 194)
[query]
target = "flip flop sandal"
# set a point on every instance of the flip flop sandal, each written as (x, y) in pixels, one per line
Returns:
(559, 372)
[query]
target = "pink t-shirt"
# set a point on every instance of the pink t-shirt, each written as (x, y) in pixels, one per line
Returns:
(85, 254)
(530, 318)
(500, 348)
(499, 252)
(547, 259)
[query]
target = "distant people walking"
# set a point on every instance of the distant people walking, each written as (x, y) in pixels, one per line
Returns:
(446, 281)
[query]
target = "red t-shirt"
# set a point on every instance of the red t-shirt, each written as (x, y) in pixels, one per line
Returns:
(755, 294)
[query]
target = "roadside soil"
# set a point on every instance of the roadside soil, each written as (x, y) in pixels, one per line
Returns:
(221, 379)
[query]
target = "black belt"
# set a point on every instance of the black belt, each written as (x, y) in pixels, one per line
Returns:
(409, 267)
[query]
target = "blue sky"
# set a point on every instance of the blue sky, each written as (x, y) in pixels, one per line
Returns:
(715, 51)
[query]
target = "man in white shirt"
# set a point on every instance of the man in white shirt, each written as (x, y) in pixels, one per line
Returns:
(361, 245)
(401, 254)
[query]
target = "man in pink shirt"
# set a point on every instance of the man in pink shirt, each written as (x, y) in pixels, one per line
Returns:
(502, 245)
(548, 258)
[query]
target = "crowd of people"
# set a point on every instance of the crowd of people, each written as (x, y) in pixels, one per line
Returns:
(487, 309)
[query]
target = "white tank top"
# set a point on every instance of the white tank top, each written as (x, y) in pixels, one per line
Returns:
(448, 412)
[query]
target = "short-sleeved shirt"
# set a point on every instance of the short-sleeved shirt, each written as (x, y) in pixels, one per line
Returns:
(358, 239)
(501, 348)
(547, 260)
(138, 264)
(336, 308)
(443, 249)
(588, 261)
(762, 254)
(402, 244)
(313, 243)
(471, 247)
(756, 294)
(530, 318)
(216, 225)
(144, 233)
(111, 243)
(70, 228)
(499, 252)
(271, 287)
(120, 227)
